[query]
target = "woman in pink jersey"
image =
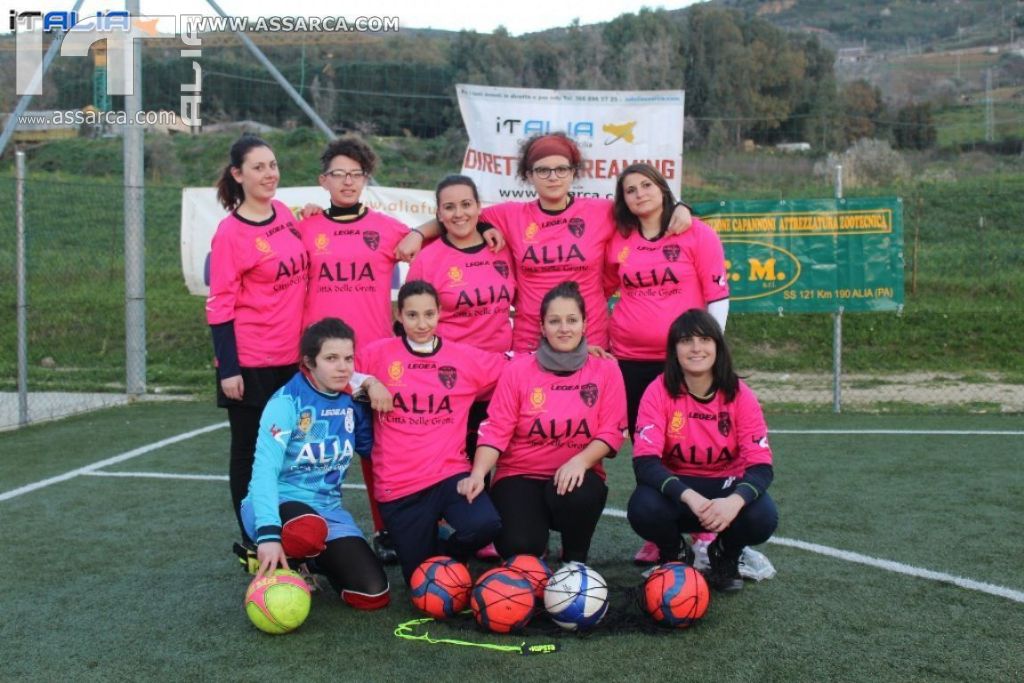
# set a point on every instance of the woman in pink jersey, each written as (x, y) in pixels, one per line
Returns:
(352, 264)
(476, 286)
(558, 237)
(658, 276)
(258, 270)
(554, 417)
(419, 448)
(701, 454)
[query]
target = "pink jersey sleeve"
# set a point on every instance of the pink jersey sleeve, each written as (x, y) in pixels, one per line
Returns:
(751, 430)
(612, 413)
(649, 438)
(709, 262)
(502, 412)
(225, 277)
(416, 268)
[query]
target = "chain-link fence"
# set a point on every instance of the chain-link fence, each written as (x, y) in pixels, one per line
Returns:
(955, 347)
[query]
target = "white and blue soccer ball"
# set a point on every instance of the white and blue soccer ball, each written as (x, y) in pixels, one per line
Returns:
(576, 597)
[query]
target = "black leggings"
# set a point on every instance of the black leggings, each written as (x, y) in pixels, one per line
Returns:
(637, 375)
(244, 419)
(245, 426)
(530, 508)
(349, 563)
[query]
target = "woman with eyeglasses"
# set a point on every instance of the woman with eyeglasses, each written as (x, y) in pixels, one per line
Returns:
(558, 237)
(351, 265)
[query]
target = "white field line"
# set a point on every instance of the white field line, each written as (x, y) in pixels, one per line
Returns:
(848, 556)
(35, 486)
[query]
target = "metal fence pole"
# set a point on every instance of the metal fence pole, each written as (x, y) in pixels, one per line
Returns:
(22, 314)
(134, 232)
(837, 328)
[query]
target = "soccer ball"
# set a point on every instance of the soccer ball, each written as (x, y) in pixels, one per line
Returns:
(277, 603)
(675, 595)
(440, 586)
(534, 569)
(502, 600)
(576, 597)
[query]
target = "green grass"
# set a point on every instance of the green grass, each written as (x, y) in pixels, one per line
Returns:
(132, 579)
(963, 316)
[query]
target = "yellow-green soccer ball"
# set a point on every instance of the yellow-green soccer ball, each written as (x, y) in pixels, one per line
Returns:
(277, 603)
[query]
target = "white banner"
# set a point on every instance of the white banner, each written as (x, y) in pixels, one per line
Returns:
(201, 213)
(613, 129)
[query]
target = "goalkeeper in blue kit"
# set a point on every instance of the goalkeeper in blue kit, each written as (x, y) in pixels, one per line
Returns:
(309, 433)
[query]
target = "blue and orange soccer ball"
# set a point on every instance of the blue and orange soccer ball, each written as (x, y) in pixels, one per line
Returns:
(534, 569)
(576, 597)
(440, 586)
(675, 595)
(502, 600)
(278, 603)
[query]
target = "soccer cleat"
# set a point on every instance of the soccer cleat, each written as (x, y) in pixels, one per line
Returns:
(307, 575)
(385, 549)
(724, 574)
(647, 555)
(247, 558)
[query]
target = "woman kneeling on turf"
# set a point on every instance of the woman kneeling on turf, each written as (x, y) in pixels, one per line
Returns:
(701, 454)
(419, 454)
(309, 432)
(554, 417)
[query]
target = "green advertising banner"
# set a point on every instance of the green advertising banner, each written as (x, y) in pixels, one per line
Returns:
(811, 255)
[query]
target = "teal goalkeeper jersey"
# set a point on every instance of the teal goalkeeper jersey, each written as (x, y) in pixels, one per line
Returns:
(306, 442)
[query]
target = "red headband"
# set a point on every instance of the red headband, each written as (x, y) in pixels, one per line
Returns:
(551, 145)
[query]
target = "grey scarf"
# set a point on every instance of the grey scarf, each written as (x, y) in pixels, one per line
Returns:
(561, 361)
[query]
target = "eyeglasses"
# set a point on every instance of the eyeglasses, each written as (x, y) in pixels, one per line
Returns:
(338, 174)
(544, 172)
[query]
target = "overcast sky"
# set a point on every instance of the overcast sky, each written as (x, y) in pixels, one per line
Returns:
(522, 16)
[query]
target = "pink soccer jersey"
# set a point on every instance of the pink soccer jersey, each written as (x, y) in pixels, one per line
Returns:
(550, 247)
(476, 288)
(659, 280)
(258, 280)
(423, 440)
(702, 438)
(351, 262)
(539, 420)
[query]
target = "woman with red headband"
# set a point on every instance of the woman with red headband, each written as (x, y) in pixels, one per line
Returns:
(556, 238)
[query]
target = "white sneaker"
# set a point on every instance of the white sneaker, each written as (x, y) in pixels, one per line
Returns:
(754, 565)
(700, 556)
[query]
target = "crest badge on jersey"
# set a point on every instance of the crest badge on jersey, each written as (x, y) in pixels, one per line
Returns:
(537, 398)
(502, 268)
(671, 252)
(322, 242)
(577, 226)
(455, 274)
(350, 421)
(676, 425)
(372, 239)
(724, 423)
(448, 376)
(263, 246)
(623, 255)
(395, 370)
(531, 232)
(588, 393)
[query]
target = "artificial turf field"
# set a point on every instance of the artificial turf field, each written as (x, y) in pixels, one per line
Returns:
(131, 577)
